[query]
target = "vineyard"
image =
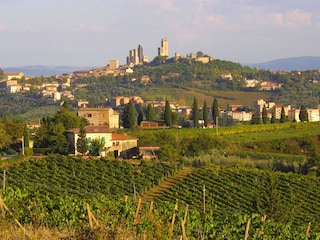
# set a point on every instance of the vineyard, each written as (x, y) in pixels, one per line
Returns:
(53, 192)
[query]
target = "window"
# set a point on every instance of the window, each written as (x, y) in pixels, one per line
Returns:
(103, 139)
(89, 115)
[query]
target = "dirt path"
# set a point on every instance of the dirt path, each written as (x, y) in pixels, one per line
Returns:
(169, 182)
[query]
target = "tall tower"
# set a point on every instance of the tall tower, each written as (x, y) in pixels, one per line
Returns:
(164, 49)
(140, 53)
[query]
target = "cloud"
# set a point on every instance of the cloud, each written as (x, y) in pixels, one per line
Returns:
(297, 17)
(97, 29)
(3, 26)
(161, 6)
(94, 28)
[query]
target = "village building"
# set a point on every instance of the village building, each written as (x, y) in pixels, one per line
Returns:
(101, 116)
(115, 144)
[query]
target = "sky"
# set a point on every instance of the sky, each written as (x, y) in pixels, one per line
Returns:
(90, 33)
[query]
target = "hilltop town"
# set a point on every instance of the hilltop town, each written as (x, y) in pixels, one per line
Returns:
(137, 72)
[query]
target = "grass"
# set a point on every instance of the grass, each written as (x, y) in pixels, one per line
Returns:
(242, 133)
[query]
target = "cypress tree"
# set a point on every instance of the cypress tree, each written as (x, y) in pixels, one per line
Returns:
(195, 111)
(303, 115)
(205, 113)
(273, 118)
(215, 110)
(150, 115)
(82, 143)
(129, 116)
(140, 117)
(283, 117)
(167, 114)
(26, 137)
(264, 114)
(255, 118)
(132, 115)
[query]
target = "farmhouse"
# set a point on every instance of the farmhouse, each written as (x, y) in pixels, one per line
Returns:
(119, 145)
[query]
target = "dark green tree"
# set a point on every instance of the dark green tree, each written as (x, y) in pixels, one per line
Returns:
(273, 117)
(26, 136)
(303, 115)
(129, 116)
(215, 110)
(51, 135)
(150, 114)
(167, 114)
(205, 114)
(174, 118)
(264, 114)
(283, 117)
(195, 113)
(140, 116)
(82, 142)
(255, 119)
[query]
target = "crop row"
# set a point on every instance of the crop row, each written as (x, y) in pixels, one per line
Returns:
(283, 197)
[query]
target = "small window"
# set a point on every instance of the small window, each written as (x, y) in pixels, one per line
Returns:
(89, 139)
(103, 139)
(89, 115)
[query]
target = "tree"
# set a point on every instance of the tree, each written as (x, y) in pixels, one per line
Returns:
(150, 115)
(26, 138)
(82, 142)
(273, 117)
(303, 115)
(167, 114)
(195, 111)
(215, 110)
(205, 113)
(4, 137)
(96, 147)
(140, 116)
(283, 117)
(264, 114)
(255, 117)
(129, 116)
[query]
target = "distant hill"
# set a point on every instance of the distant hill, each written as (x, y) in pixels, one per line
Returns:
(46, 71)
(290, 64)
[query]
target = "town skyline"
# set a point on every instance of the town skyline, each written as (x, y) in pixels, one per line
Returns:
(90, 34)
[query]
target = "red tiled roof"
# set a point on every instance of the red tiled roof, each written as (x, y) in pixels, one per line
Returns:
(117, 136)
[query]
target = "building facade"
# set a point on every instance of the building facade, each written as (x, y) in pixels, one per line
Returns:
(101, 116)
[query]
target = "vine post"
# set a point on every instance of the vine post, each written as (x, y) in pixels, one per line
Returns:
(308, 229)
(4, 206)
(183, 222)
(91, 217)
(136, 217)
(246, 235)
(150, 209)
(174, 214)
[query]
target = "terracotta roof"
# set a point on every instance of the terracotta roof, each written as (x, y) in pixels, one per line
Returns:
(117, 136)
(93, 129)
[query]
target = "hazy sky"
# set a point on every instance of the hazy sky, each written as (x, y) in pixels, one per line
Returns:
(90, 33)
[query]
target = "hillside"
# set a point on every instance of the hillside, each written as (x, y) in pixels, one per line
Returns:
(290, 64)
